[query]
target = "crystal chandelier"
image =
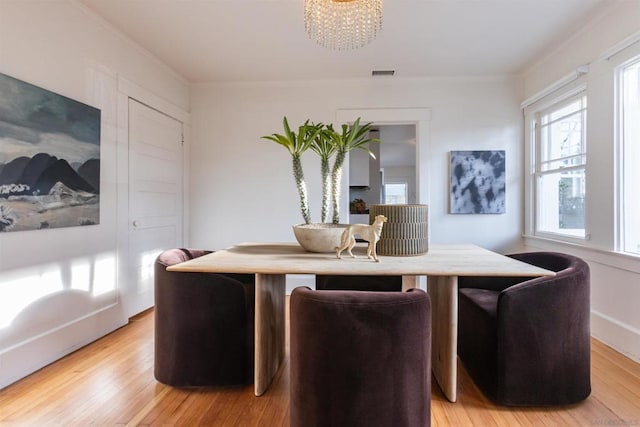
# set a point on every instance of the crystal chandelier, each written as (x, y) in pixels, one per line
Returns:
(342, 24)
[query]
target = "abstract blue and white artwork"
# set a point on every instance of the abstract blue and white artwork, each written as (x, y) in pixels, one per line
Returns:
(478, 182)
(49, 159)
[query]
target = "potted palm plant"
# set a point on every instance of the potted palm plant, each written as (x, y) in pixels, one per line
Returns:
(326, 142)
(297, 144)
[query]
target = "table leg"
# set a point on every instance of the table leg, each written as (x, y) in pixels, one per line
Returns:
(409, 282)
(443, 291)
(269, 329)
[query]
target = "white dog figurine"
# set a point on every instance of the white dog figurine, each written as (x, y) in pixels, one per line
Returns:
(370, 233)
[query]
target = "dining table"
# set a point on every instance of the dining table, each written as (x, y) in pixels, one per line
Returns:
(442, 265)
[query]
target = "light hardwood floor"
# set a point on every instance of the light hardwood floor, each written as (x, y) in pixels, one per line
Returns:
(110, 382)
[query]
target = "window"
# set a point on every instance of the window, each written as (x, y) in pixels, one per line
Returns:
(629, 78)
(560, 168)
(396, 193)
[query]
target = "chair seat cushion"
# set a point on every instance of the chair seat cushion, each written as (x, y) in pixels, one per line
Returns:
(484, 299)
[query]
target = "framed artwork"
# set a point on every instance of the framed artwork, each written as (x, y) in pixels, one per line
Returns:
(477, 182)
(49, 159)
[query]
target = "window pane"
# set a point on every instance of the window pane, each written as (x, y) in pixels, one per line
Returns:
(395, 194)
(562, 138)
(560, 169)
(561, 203)
(631, 157)
(571, 108)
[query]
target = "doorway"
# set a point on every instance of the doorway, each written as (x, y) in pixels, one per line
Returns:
(390, 177)
(155, 197)
(398, 164)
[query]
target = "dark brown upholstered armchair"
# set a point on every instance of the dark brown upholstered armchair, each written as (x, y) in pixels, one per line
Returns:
(359, 283)
(527, 342)
(360, 358)
(204, 325)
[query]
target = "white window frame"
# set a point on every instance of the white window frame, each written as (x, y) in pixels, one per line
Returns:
(567, 97)
(624, 162)
(397, 182)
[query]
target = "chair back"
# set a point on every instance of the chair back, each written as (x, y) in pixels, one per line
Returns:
(554, 261)
(360, 358)
(176, 256)
(571, 284)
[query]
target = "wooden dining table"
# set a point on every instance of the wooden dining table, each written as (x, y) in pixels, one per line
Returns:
(442, 265)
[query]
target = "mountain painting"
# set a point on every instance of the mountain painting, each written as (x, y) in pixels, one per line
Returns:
(478, 182)
(49, 159)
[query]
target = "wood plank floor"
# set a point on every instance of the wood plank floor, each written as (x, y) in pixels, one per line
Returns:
(110, 382)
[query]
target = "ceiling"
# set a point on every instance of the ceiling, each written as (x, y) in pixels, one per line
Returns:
(265, 40)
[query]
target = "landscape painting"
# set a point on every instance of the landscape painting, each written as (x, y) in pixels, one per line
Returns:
(478, 182)
(49, 159)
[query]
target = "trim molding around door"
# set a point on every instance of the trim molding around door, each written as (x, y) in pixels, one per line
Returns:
(142, 95)
(126, 90)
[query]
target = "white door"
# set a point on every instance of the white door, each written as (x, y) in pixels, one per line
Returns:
(155, 197)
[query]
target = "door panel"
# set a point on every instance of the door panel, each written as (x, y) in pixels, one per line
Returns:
(155, 197)
(157, 169)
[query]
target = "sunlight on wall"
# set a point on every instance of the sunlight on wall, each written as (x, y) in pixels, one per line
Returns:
(80, 274)
(19, 289)
(104, 279)
(146, 269)
(17, 294)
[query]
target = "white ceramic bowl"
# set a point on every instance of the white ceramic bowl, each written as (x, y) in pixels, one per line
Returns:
(319, 237)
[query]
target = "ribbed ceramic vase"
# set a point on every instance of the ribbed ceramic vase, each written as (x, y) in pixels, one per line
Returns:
(406, 232)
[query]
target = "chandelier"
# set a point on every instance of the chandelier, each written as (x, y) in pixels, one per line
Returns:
(342, 24)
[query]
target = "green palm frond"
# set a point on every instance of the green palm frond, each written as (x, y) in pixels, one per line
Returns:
(323, 144)
(354, 136)
(297, 144)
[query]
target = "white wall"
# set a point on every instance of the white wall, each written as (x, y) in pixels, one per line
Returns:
(615, 287)
(56, 306)
(242, 185)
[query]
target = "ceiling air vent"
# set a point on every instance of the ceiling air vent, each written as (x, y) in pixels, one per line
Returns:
(378, 73)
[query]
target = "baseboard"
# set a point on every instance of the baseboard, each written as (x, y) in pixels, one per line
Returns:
(24, 359)
(621, 337)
